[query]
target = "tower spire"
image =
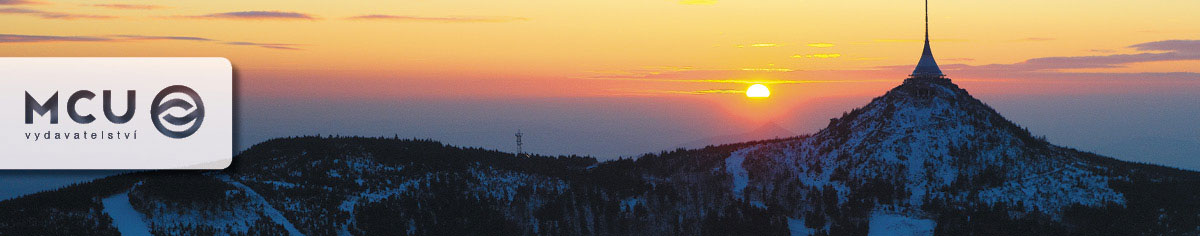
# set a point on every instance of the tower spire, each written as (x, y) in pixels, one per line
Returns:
(927, 67)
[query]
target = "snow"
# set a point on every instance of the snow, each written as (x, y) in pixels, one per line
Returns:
(351, 202)
(502, 184)
(926, 145)
(797, 228)
(277, 184)
(268, 210)
(235, 220)
(127, 220)
(892, 224)
(1054, 190)
(733, 166)
(629, 203)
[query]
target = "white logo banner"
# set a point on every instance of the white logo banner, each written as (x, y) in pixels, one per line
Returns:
(116, 113)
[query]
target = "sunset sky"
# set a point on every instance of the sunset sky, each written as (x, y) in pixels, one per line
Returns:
(819, 58)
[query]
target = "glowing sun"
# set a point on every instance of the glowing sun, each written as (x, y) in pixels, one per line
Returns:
(758, 91)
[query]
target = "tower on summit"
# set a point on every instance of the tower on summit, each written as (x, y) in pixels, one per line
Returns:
(520, 143)
(927, 67)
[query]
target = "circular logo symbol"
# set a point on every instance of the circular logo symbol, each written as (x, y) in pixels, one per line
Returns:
(159, 108)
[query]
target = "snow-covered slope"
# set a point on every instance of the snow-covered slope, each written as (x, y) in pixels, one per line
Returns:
(127, 220)
(927, 141)
(885, 224)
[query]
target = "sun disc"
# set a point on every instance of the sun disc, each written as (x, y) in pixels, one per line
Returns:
(758, 91)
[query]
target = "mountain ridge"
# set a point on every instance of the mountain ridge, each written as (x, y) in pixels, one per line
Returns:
(767, 131)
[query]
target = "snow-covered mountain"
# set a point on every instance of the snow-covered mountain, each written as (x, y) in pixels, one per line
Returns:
(929, 141)
(925, 158)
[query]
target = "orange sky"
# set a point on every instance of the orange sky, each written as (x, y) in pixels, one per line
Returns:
(550, 48)
(618, 77)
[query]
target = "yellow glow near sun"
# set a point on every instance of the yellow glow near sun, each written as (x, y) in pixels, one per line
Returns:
(758, 91)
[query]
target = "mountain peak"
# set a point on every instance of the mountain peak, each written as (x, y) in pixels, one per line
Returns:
(929, 140)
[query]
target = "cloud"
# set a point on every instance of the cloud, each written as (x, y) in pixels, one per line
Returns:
(20, 2)
(658, 92)
(1027, 72)
(727, 81)
(819, 55)
(453, 19)
(128, 6)
(820, 45)
(1035, 39)
(710, 91)
(19, 38)
(1169, 50)
(697, 2)
(145, 37)
(14, 10)
(767, 69)
(1186, 46)
(1060, 68)
(50, 15)
(916, 40)
(266, 45)
(758, 45)
(256, 15)
(698, 92)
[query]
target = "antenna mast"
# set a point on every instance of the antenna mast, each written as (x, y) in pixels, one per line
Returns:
(519, 143)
